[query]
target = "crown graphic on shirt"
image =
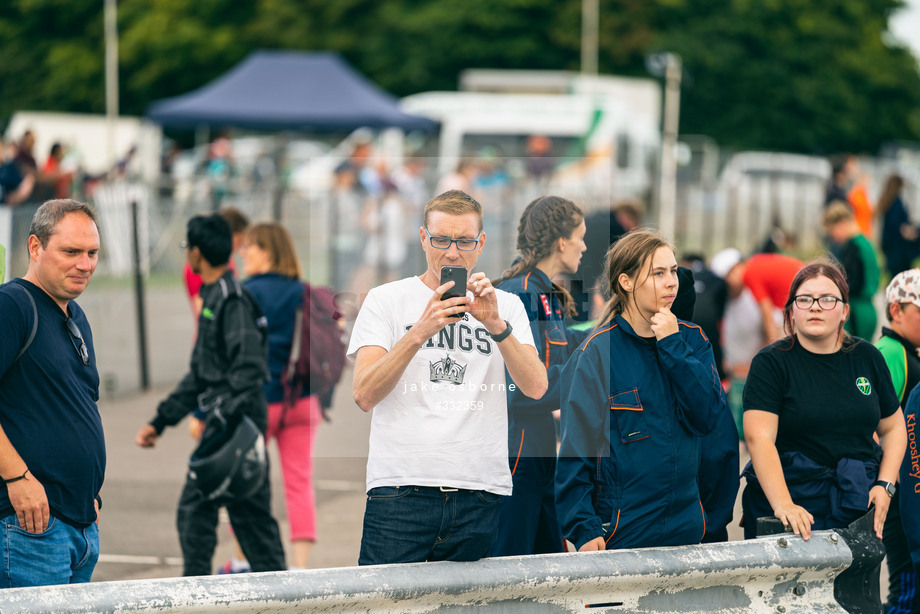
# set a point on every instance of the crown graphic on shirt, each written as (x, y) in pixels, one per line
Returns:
(446, 370)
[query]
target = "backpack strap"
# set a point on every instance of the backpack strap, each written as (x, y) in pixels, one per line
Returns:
(296, 344)
(236, 290)
(34, 325)
(292, 393)
(34, 330)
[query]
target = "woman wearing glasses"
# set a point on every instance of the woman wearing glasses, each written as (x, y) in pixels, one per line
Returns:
(550, 241)
(812, 403)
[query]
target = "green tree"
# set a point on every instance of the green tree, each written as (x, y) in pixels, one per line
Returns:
(170, 47)
(797, 75)
(793, 75)
(50, 56)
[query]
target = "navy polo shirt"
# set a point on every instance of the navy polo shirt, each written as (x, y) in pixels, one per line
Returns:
(48, 403)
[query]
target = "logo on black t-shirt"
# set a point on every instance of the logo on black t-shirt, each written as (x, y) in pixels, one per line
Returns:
(864, 386)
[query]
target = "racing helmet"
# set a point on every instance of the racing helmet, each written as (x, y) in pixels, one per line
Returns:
(230, 464)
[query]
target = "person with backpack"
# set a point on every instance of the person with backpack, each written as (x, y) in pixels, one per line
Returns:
(273, 271)
(228, 368)
(52, 447)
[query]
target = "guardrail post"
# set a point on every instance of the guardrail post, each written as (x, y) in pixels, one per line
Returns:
(856, 589)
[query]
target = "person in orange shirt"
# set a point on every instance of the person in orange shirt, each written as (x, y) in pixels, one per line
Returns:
(859, 200)
(851, 186)
(767, 276)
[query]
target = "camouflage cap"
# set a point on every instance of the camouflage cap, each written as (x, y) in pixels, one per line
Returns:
(904, 288)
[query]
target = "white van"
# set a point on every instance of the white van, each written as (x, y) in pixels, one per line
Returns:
(603, 130)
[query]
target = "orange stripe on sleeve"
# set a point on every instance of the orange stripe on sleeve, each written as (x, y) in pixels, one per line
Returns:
(696, 327)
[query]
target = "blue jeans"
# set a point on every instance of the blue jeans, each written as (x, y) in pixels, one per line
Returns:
(410, 524)
(62, 554)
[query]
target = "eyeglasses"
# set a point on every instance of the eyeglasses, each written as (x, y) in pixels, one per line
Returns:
(826, 303)
(464, 245)
(74, 331)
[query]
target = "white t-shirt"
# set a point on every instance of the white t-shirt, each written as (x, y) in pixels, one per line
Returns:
(446, 422)
(742, 330)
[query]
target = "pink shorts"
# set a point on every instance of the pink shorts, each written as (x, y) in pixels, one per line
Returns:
(295, 449)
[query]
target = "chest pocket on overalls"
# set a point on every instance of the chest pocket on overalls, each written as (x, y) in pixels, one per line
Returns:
(626, 408)
(554, 347)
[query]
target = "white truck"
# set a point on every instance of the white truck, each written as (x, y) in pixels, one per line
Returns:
(604, 130)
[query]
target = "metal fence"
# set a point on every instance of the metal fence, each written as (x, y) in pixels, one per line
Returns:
(354, 241)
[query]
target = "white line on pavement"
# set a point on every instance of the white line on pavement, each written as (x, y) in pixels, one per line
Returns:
(341, 485)
(130, 559)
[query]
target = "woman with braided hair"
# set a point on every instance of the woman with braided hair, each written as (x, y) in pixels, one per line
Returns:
(550, 241)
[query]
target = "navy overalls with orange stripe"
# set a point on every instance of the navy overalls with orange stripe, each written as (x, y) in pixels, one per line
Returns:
(633, 412)
(527, 519)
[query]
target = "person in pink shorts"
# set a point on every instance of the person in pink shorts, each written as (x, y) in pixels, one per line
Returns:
(273, 278)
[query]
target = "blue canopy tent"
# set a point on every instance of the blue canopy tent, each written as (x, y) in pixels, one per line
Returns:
(288, 90)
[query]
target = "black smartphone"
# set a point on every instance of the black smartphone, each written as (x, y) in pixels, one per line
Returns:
(456, 274)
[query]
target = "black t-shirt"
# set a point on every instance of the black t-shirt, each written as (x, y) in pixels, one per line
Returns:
(829, 405)
(711, 298)
(853, 266)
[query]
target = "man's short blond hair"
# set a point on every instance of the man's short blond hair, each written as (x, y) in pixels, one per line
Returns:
(836, 212)
(453, 202)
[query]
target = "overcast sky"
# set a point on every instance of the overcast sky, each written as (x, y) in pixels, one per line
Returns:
(906, 25)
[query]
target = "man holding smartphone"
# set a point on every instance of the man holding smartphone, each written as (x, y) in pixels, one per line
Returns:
(432, 369)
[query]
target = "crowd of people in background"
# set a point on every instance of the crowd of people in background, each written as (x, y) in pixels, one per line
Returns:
(779, 322)
(25, 177)
(620, 356)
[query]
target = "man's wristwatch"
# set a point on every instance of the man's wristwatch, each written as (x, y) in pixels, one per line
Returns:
(888, 486)
(504, 334)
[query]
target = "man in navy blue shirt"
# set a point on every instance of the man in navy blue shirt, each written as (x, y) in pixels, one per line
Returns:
(52, 450)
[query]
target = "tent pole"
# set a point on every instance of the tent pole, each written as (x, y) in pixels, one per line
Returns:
(280, 141)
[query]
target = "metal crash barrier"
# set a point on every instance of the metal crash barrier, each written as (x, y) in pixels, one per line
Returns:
(777, 574)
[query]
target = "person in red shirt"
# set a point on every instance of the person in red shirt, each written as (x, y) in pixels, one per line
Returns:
(53, 174)
(767, 276)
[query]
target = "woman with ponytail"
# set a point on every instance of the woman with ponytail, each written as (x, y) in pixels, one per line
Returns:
(639, 394)
(550, 242)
